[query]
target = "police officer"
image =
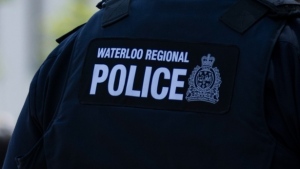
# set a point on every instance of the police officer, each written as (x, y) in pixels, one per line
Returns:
(168, 84)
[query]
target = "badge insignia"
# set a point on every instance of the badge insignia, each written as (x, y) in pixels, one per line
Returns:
(204, 82)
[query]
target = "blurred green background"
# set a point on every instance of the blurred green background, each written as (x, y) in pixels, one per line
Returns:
(28, 30)
(71, 14)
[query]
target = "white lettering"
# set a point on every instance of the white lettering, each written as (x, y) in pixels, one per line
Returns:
(118, 52)
(127, 54)
(175, 57)
(175, 83)
(112, 52)
(169, 56)
(107, 53)
(98, 79)
(181, 57)
(112, 80)
(148, 54)
(160, 55)
(155, 82)
(152, 83)
(146, 82)
(140, 54)
(186, 58)
(154, 54)
(133, 54)
(101, 52)
(123, 53)
(130, 81)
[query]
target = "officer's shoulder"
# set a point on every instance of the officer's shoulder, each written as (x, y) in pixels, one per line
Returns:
(63, 37)
(282, 8)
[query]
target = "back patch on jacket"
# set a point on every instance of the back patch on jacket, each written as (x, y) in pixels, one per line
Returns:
(165, 75)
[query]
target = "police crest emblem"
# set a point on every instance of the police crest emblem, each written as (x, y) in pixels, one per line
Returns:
(204, 82)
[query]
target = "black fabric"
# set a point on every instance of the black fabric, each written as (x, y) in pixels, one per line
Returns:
(282, 101)
(100, 5)
(282, 8)
(243, 15)
(35, 159)
(115, 10)
(60, 39)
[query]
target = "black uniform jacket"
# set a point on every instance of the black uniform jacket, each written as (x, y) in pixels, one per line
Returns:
(167, 84)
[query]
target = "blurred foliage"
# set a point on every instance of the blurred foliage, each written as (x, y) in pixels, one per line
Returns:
(3, 0)
(72, 14)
